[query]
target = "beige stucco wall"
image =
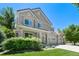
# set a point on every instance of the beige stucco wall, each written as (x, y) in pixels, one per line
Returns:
(38, 17)
(24, 15)
(42, 19)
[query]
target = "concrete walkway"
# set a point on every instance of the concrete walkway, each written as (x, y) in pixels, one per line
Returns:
(48, 48)
(69, 47)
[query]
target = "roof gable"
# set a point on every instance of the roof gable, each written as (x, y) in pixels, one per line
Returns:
(46, 18)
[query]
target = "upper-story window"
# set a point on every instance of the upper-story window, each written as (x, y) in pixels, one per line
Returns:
(39, 25)
(27, 22)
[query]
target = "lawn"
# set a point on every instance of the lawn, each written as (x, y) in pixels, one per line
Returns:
(53, 52)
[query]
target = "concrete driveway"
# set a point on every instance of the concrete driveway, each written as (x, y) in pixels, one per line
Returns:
(69, 47)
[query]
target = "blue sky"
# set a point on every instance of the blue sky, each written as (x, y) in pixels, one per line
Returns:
(61, 15)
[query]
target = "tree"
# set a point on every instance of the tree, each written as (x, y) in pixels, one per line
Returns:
(1, 20)
(59, 30)
(72, 33)
(7, 21)
(76, 4)
(7, 17)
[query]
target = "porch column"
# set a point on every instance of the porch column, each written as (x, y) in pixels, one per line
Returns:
(20, 33)
(40, 36)
(45, 37)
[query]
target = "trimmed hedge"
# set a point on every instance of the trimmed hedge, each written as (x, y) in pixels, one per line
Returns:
(19, 43)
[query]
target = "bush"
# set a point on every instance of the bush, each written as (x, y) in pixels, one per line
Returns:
(2, 36)
(9, 33)
(1, 50)
(19, 43)
(33, 43)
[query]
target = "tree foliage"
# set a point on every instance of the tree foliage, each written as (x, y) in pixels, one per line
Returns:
(6, 21)
(72, 33)
(2, 36)
(7, 17)
(8, 33)
(76, 4)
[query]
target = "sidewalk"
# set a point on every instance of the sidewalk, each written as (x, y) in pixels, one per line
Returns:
(69, 47)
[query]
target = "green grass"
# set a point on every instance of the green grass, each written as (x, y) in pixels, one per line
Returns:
(53, 52)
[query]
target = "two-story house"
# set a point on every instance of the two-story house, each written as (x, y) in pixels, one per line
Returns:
(35, 22)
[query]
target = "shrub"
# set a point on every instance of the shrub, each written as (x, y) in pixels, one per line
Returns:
(1, 49)
(19, 43)
(2, 36)
(33, 43)
(9, 33)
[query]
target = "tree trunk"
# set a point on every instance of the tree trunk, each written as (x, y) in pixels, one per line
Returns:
(74, 43)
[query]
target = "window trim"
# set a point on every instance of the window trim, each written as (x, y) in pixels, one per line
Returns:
(36, 25)
(29, 24)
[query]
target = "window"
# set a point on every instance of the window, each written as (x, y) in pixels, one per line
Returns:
(39, 25)
(28, 22)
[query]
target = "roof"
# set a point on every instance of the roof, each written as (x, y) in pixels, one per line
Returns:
(43, 14)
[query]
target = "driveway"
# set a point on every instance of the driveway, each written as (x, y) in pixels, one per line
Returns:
(69, 47)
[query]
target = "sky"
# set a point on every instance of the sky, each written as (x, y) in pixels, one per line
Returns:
(60, 14)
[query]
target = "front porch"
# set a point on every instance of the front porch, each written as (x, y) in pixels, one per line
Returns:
(48, 38)
(28, 31)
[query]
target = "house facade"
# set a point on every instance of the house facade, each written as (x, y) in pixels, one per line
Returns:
(34, 22)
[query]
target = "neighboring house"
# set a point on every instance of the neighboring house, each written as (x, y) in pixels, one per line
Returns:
(35, 22)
